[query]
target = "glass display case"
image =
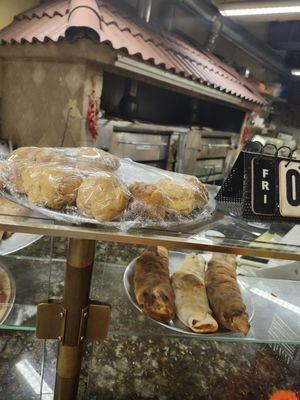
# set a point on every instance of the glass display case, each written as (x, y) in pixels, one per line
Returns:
(63, 265)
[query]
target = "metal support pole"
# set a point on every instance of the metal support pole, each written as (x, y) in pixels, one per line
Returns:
(75, 299)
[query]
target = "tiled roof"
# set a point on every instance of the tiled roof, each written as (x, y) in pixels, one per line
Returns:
(55, 20)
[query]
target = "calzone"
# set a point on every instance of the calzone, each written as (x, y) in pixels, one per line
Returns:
(190, 295)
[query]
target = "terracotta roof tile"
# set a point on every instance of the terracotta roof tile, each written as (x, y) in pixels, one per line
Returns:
(59, 18)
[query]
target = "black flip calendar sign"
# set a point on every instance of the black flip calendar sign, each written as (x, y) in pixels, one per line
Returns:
(289, 189)
(262, 186)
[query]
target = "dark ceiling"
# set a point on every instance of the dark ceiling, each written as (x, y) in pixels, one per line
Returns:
(282, 36)
(285, 37)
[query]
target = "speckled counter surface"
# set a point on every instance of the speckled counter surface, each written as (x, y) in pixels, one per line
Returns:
(138, 361)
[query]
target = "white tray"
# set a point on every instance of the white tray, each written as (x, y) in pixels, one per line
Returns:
(175, 260)
(16, 242)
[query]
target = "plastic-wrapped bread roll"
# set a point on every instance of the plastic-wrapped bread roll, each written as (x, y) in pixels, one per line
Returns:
(224, 293)
(4, 174)
(96, 159)
(53, 187)
(190, 295)
(184, 197)
(152, 286)
(102, 196)
(147, 201)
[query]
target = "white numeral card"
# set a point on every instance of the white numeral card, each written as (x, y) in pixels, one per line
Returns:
(289, 188)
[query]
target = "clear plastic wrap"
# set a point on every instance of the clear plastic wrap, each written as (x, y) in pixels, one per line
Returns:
(89, 185)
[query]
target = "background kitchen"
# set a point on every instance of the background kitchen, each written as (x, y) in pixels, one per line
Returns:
(161, 99)
(175, 84)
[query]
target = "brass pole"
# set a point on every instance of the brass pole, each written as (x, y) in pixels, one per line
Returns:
(78, 275)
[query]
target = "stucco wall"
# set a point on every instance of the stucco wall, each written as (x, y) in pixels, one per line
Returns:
(43, 101)
(10, 8)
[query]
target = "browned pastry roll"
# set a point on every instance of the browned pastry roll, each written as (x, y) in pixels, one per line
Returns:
(91, 158)
(51, 186)
(224, 294)
(102, 196)
(190, 295)
(150, 201)
(152, 285)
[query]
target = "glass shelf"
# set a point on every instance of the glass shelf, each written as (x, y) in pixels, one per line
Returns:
(30, 277)
(276, 302)
(221, 233)
(276, 317)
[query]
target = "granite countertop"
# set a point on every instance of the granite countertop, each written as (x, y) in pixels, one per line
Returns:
(138, 361)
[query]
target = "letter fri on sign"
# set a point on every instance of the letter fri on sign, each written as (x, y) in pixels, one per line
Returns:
(263, 186)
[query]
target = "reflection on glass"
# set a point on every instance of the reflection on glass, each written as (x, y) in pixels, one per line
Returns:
(32, 377)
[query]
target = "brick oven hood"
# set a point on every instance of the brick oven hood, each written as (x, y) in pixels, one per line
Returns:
(142, 49)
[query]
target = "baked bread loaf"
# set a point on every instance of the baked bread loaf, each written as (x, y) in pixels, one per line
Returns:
(24, 157)
(200, 191)
(4, 173)
(24, 153)
(224, 294)
(52, 155)
(17, 167)
(152, 286)
(51, 186)
(182, 198)
(91, 158)
(102, 196)
(150, 201)
(190, 295)
(39, 155)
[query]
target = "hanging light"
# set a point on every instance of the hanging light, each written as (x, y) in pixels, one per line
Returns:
(259, 8)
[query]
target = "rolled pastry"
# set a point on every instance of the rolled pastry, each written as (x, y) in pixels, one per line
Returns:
(190, 295)
(224, 293)
(152, 286)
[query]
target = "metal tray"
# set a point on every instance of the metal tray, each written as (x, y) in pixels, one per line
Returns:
(72, 215)
(175, 260)
(16, 242)
(11, 301)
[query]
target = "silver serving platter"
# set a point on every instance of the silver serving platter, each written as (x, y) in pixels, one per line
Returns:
(175, 260)
(16, 242)
(128, 172)
(12, 298)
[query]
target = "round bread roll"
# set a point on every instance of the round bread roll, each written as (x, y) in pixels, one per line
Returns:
(39, 155)
(96, 159)
(51, 155)
(23, 153)
(17, 168)
(150, 201)
(4, 174)
(182, 198)
(102, 196)
(201, 193)
(48, 186)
